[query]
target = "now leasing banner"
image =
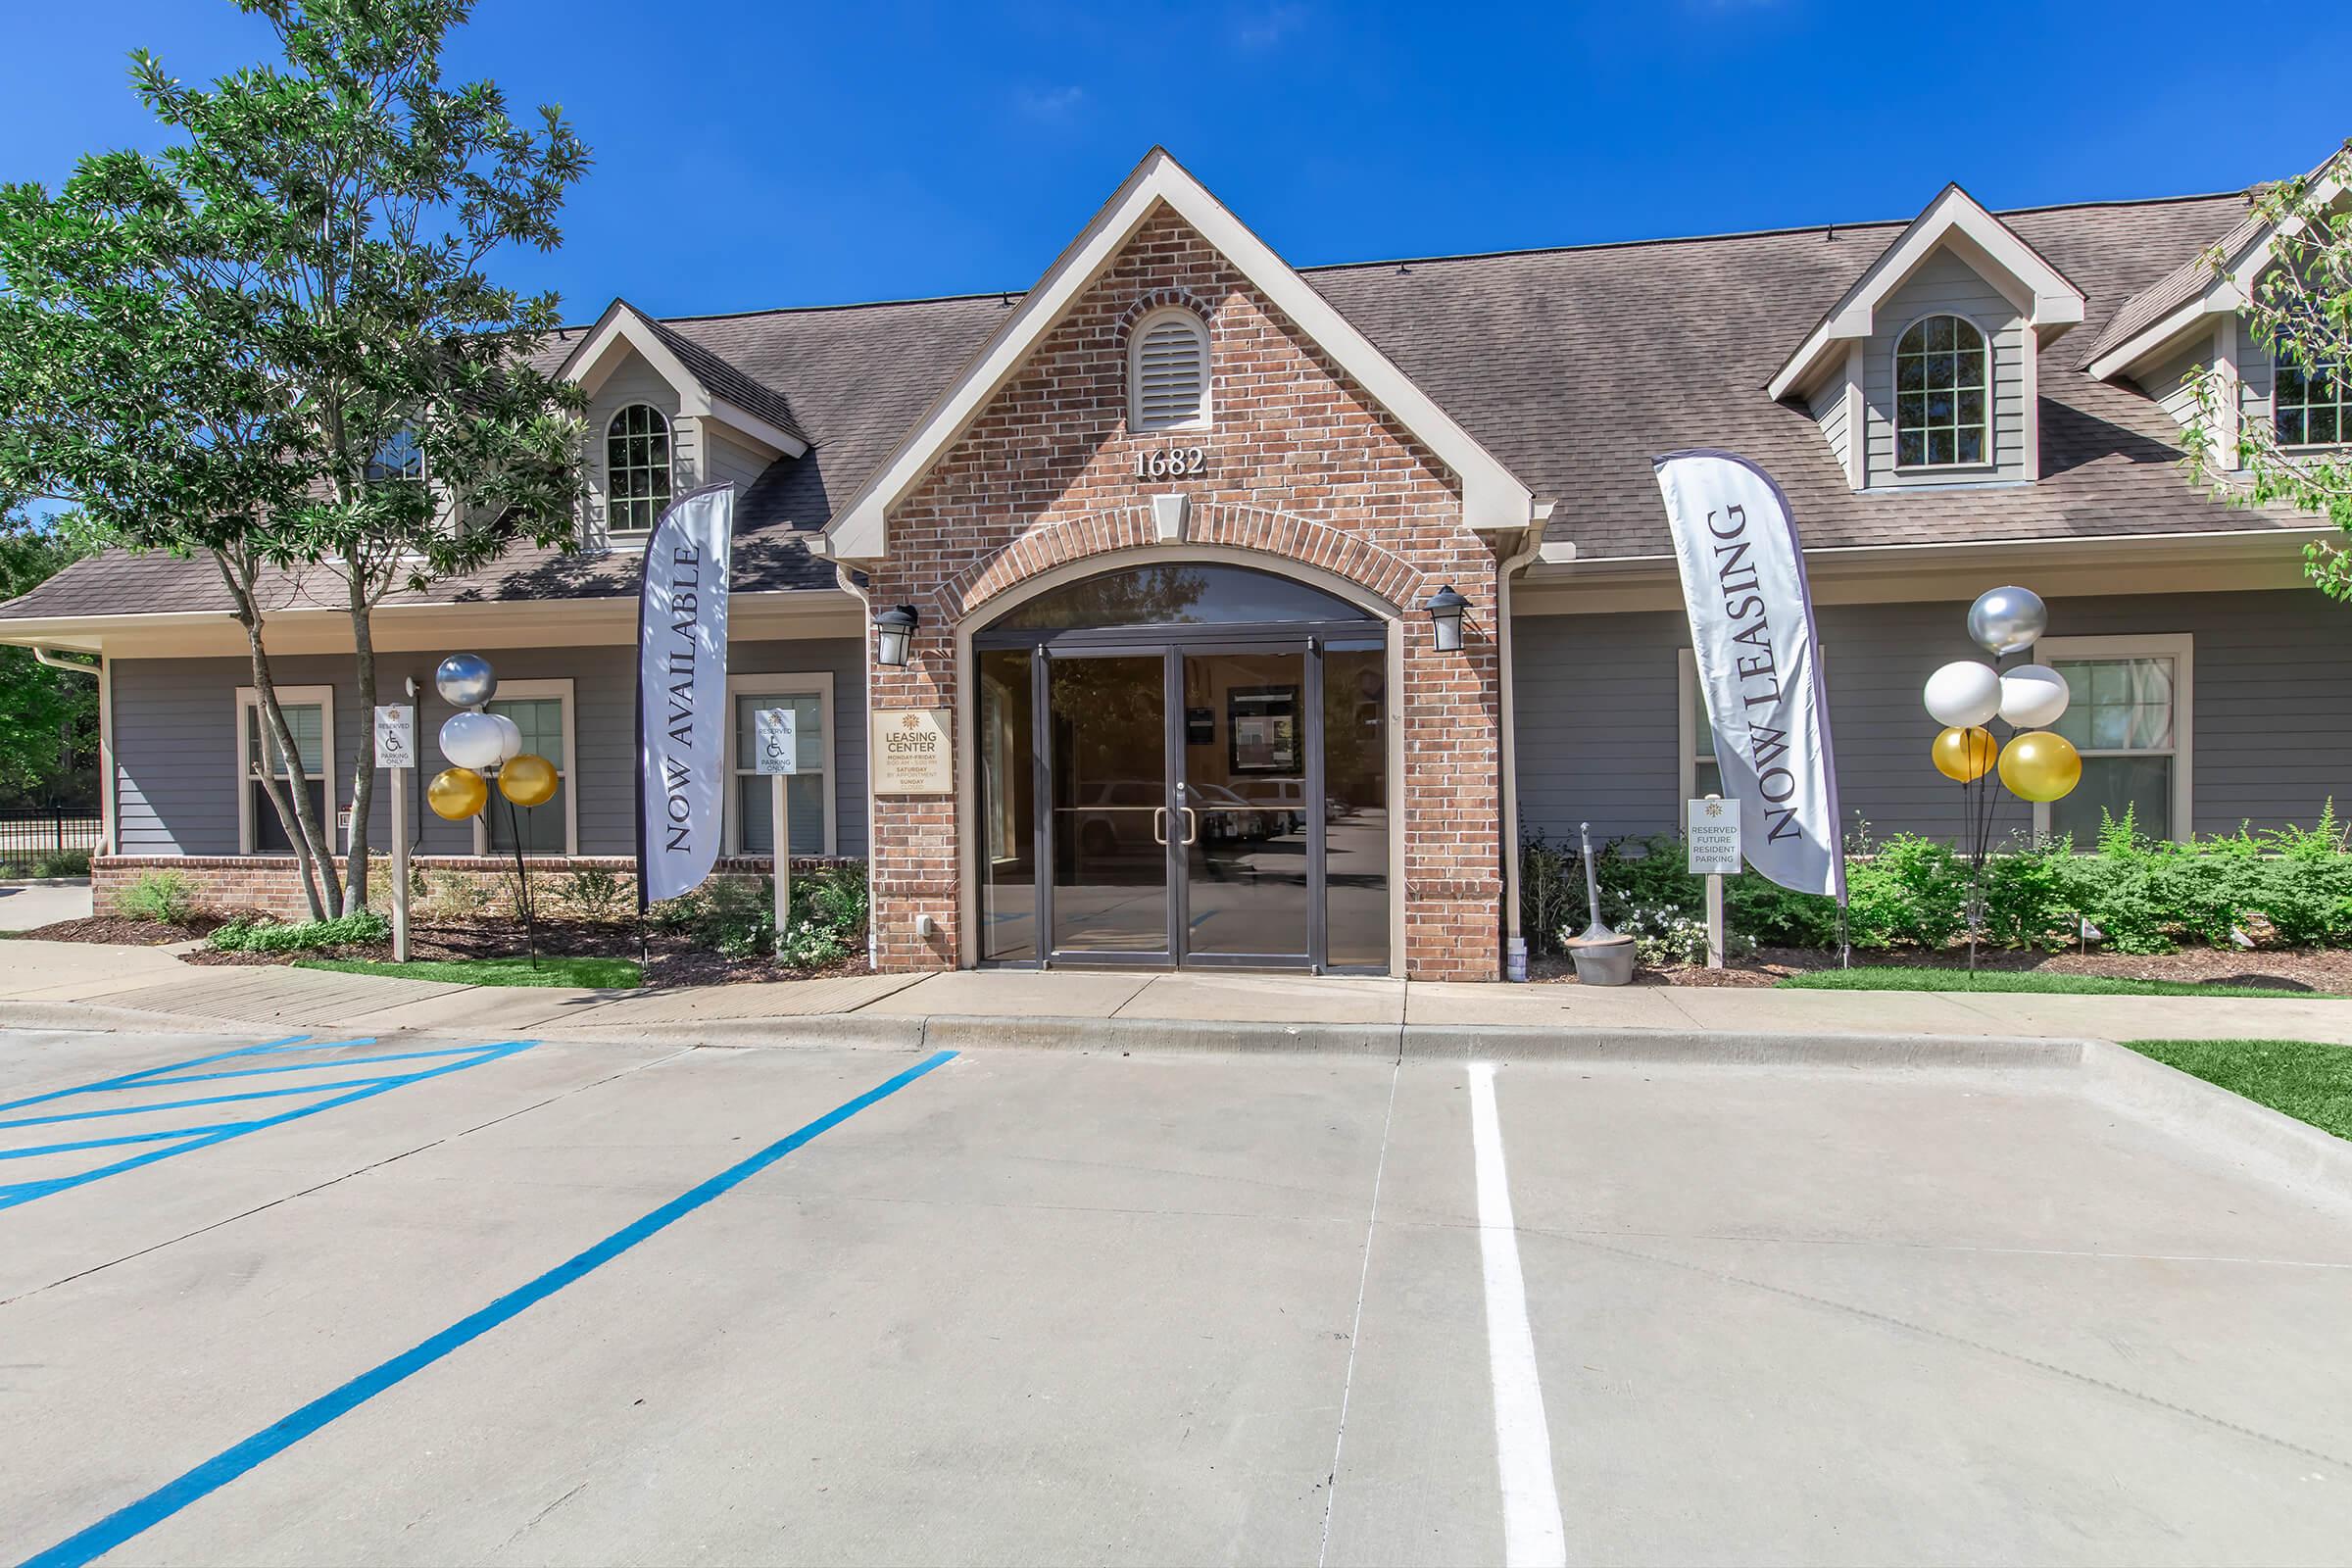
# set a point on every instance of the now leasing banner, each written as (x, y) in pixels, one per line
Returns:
(682, 693)
(1759, 663)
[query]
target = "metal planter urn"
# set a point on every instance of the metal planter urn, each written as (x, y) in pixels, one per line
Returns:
(1602, 957)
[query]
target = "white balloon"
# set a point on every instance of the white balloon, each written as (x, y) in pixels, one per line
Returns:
(472, 740)
(509, 737)
(1963, 692)
(2033, 696)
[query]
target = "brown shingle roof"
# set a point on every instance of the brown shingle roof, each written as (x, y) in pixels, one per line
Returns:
(1574, 367)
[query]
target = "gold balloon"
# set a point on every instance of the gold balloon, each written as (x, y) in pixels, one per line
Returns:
(1965, 754)
(2040, 766)
(528, 780)
(456, 793)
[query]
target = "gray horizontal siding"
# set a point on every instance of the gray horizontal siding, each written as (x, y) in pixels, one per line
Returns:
(176, 765)
(2271, 724)
(1946, 284)
(1836, 427)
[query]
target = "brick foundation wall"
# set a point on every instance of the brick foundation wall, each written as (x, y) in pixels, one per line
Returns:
(1302, 467)
(271, 884)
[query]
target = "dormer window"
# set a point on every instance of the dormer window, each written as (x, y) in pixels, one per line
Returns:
(2310, 408)
(399, 457)
(1167, 372)
(636, 468)
(1941, 368)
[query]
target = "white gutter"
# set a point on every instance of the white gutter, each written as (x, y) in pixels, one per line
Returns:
(49, 657)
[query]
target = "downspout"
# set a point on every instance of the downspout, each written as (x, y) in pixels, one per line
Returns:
(1531, 544)
(843, 575)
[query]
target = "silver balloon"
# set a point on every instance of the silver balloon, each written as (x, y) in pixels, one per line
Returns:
(2007, 621)
(465, 680)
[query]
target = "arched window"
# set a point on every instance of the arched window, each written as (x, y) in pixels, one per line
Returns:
(1167, 372)
(1942, 376)
(636, 468)
(2310, 408)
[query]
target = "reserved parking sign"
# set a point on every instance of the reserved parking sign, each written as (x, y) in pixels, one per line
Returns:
(1711, 827)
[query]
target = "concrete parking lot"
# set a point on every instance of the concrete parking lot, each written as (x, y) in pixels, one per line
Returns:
(464, 1299)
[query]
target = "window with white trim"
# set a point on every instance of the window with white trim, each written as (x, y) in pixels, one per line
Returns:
(542, 710)
(1700, 777)
(2128, 713)
(636, 468)
(809, 793)
(1167, 372)
(2309, 408)
(310, 718)
(400, 458)
(1942, 395)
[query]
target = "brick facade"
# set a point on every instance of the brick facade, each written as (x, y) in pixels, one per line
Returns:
(1301, 467)
(271, 884)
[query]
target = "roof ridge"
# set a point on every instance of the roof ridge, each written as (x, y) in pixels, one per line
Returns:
(1446, 256)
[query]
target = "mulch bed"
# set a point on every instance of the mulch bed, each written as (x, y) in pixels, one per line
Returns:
(2318, 969)
(670, 960)
(127, 932)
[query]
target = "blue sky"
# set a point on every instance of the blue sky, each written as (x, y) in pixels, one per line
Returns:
(752, 154)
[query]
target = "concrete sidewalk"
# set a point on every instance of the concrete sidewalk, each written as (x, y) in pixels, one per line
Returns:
(52, 984)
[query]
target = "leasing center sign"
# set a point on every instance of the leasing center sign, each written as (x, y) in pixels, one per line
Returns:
(682, 693)
(1759, 663)
(911, 754)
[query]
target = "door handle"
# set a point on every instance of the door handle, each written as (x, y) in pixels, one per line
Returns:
(1192, 824)
(1159, 825)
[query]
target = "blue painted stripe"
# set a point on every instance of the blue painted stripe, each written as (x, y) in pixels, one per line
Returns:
(129, 1137)
(145, 1107)
(126, 1080)
(88, 1545)
(17, 1194)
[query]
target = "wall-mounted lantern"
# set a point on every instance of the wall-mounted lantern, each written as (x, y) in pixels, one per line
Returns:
(1446, 608)
(893, 629)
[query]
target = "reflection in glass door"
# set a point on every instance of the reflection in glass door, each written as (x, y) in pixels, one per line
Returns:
(1243, 806)
(1106, 716)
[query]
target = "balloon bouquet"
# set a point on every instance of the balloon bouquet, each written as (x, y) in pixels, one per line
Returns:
(480, 743)
(2037, 763)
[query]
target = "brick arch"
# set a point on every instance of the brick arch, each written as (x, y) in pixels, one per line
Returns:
(1279, 535)
(1159, 299)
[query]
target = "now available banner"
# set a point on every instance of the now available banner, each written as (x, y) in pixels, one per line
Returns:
(1759, 663)
(682, 693)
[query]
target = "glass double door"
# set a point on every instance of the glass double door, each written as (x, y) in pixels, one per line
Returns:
(1191, 815)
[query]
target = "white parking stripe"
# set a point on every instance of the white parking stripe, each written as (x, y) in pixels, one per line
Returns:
(1532, 1533)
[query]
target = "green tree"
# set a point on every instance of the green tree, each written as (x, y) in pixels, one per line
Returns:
(2299, 309)
(279, 344)
(48, 718)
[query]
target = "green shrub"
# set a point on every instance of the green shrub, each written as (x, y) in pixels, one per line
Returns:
(164, 897)
(2028, 894)
(359, 928)
(62, 862)
(596, 893)
(1913, 890)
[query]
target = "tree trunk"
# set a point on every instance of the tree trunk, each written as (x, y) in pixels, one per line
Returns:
(311, 851)
(363, 771)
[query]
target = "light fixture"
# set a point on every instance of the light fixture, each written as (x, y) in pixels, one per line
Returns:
(1446, 608)
(891, 630)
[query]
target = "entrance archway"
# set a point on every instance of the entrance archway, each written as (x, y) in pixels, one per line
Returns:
(1184, 763)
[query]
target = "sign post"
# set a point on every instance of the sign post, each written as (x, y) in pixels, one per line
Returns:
(1711, 827)
(776, 733)
(396, 750)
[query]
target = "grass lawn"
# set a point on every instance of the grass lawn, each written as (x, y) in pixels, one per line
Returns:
(1897, 977)
(2308, 1081)
(604, 973)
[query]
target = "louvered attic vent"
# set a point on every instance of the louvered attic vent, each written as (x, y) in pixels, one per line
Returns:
(1169, 372)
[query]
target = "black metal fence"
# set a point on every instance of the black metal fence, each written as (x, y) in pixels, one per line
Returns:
(29, 835)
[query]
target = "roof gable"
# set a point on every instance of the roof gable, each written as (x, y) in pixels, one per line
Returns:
(2219, 280)
(1955, 221)
(707, 385)
(1492, 499)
